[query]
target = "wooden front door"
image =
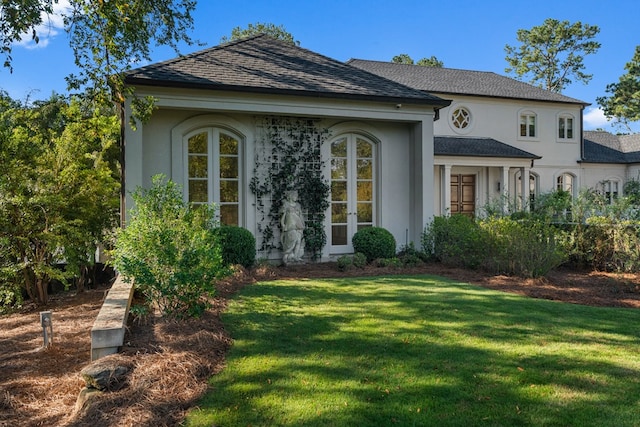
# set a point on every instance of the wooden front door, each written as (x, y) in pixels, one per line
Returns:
(463, 195)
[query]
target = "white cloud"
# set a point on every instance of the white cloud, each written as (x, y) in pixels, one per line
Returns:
(594, 118)
(50, 27)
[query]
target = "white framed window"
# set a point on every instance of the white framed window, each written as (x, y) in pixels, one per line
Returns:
(212, 171)
(566, 127)
(610, 189)
(566, 182)
(461, 119)
(533, 189)
(528, 125)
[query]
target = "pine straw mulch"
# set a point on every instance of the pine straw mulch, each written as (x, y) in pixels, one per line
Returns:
(170, 362)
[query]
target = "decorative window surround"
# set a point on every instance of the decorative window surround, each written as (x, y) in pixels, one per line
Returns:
(527, 125)
(566, 131)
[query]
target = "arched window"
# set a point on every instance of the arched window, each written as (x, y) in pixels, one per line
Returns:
(212, 171)
(566, 182)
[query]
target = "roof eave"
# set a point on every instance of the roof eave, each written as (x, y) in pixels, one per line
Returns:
(515, 98)
(133, 81)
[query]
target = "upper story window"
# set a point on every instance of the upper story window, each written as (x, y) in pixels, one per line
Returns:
(565, 127)
(528, 124)
(460, 119)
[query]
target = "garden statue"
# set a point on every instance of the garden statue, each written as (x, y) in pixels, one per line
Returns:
(292, 226)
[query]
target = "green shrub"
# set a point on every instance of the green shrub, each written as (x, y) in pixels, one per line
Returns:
(525, 248)
(455, 240)
(344, 263)
(238, 246)
(170, 250)
(359, 260)
(388, 262)
(410, 256)
(374, 242)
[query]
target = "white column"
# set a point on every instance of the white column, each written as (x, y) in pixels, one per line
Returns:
(445, 190)
(504, 188)
(525, 174)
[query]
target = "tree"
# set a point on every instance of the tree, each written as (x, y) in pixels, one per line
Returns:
(275, 31)
(106, 36)
(19, 18)
(58, 190)
(551, 54)
(403, 58)
(431, 62)
(624, 102)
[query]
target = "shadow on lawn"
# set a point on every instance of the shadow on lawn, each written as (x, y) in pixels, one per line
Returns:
(422, 351)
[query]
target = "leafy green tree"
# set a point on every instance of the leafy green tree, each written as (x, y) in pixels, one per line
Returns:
(623, 103)
(552, 54)
(106, 37)
(19, 18)
(275, 31)
(58, 190)
(403, 58)
(431, 62)
(171, 249)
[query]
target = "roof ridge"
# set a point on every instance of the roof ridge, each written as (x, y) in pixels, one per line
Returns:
(423, 66)
(200, 52)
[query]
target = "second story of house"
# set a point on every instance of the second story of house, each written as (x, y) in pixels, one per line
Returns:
(488, 105)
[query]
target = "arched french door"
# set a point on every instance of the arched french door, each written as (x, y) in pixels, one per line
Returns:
(353, 189)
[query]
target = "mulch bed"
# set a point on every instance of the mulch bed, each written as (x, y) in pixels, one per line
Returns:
(172, 361)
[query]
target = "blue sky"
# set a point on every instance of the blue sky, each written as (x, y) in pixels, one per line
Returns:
(463, 34)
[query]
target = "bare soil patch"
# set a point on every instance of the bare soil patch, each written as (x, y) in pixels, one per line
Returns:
(171, 361)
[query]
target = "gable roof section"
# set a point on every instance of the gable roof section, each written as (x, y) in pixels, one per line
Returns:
(605, 147)
(460, 82)
(477, 147)
(262, 64)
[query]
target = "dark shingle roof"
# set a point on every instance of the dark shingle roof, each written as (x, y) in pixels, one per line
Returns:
(262, 64)
(477, 147)
(460, 82)
(605, 147)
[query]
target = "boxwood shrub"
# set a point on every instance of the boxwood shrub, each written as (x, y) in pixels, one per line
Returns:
(238, 246)
(374, 243)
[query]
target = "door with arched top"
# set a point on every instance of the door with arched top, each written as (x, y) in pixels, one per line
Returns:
(353, 198)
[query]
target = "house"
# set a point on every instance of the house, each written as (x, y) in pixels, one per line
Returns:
(401, 143)
(213, 109)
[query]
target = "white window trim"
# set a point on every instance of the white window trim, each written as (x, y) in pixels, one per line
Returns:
(574, 183)
(469, 127)
(179, 154)
(600, 187)
(528, 112)
(566, 115)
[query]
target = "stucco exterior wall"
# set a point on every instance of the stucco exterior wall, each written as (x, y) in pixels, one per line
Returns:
(153, 149)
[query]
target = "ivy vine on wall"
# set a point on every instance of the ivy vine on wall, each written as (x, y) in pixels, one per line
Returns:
(287, 157)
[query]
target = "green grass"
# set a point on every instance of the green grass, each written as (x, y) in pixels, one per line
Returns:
(421, 351)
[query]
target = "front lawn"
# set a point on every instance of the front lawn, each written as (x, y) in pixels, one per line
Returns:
(421, 351)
